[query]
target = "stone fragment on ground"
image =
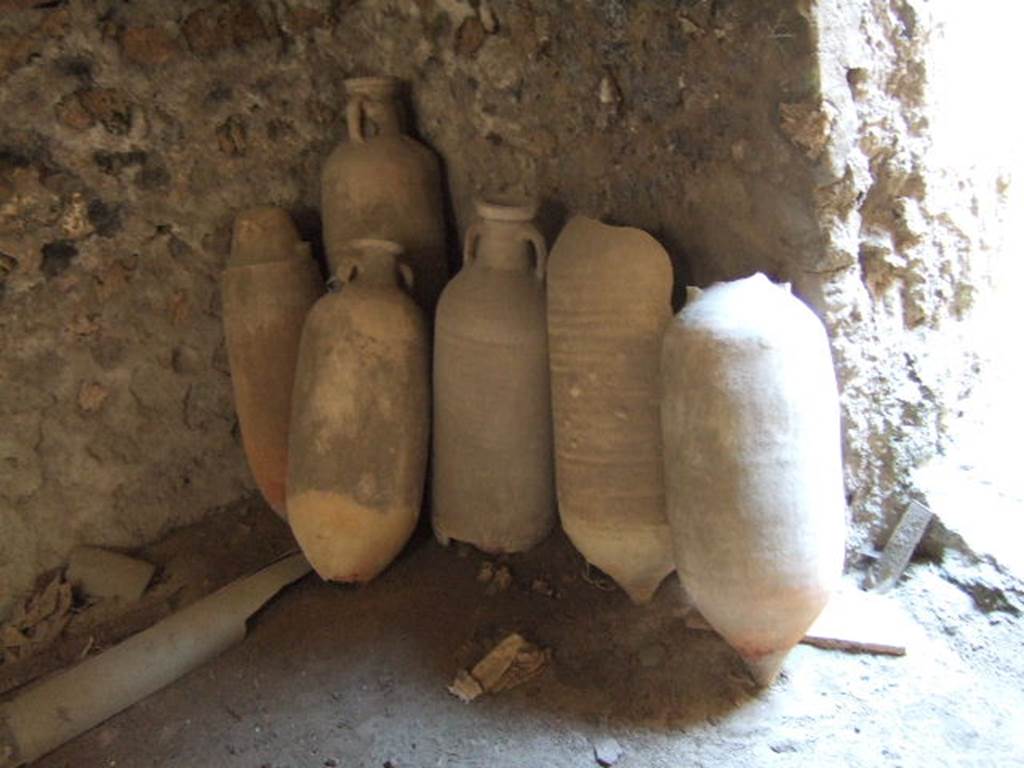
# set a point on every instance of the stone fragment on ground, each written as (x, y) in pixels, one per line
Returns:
(101, 573)
(607, 751)
(900, 547)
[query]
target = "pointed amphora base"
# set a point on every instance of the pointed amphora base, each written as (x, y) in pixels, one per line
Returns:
(641, 590)
(765, 669)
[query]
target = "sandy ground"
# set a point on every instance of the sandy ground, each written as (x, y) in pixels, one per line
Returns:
(341, 676)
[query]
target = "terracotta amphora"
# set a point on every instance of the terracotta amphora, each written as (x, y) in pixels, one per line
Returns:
(493, 470)
(753, 465)
(269, 285)
(608, 305)
(360, 418)
(382, 183)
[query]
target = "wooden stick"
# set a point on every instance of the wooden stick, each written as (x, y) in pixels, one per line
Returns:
(852, 621)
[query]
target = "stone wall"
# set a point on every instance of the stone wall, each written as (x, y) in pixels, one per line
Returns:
(909, 241)
(745, 136)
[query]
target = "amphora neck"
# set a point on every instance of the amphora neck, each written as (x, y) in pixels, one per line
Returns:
(505, 238)
(372, 263)
(374, 108)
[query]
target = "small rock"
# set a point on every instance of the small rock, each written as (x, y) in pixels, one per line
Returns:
(607, 751)
(74, 221)
(148, 46)
(91, 396)
(486, 572)
(470, 37)
(608, 92)
(808, 126)
(82, 326)
(690, 28)
(542, 587)
(232, 137)
(502, 580)
(110, 107)
(487, 18)
(185, 360)
(71, 113)
(330, 762)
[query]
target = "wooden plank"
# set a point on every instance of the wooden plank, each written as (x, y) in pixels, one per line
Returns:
(852, 621)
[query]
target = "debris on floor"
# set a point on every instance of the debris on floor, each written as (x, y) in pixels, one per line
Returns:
(853, 621)
(900, 547)
(511, 662)
(502, 580)
(542, 587)
(694, 707)
(97, 632)
(101, 573)
(37, 620)
(66, 705)
(465, 687)
(607, 751)
(497, 578)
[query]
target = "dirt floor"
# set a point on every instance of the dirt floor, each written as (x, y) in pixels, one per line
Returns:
(341, 676)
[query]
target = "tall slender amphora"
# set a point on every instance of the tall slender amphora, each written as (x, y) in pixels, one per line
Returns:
(269, 285)
(608, 305)
(493, 472)
(382, 183)
(360, 419)
(752, 465)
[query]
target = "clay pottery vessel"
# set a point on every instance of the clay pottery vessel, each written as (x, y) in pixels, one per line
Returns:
(493, 470)
(608, 305)
(753, 469)
(360, 418)
(382, 183)
(269, 285)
